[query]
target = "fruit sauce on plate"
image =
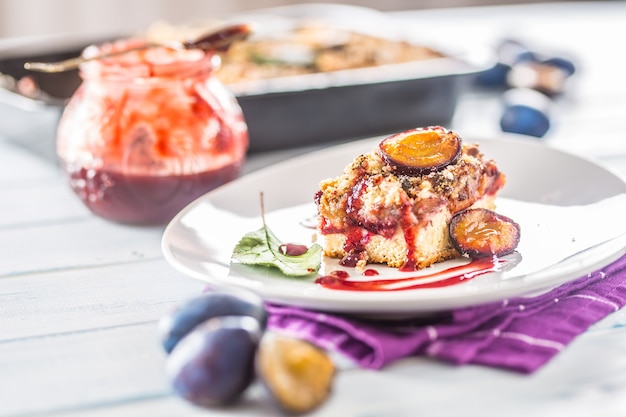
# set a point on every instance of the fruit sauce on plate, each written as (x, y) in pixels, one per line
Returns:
(340, 279)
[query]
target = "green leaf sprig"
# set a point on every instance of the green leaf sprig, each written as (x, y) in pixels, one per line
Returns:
(262, 247)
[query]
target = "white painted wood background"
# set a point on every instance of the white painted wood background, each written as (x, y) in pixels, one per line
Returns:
(80, 297)
(19, 18)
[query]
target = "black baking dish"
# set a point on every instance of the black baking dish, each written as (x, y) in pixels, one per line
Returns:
(284, 119)
(283, 112)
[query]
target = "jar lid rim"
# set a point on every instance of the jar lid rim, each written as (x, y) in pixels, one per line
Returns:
(149, 62)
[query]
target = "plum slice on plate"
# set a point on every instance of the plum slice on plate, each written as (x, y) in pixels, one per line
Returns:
(480, 232)
(420, 151)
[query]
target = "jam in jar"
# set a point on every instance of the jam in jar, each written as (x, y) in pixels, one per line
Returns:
(148, 131)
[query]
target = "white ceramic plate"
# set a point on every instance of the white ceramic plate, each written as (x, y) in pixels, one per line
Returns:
(569, 209)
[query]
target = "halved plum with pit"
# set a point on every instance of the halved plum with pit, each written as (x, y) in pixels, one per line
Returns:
(297, 375)
(480, 232)
(420, 151)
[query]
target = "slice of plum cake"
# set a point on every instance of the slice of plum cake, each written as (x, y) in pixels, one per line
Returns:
(393, 205)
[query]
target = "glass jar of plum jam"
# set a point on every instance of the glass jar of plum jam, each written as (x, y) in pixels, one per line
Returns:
(148, 131)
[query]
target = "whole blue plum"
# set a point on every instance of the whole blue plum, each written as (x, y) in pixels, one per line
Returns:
(182, 320)
(214, 364)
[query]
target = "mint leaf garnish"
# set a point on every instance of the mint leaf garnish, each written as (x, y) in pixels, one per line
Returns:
(262, 247)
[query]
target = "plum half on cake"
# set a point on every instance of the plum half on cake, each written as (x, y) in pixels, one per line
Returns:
(394, 204)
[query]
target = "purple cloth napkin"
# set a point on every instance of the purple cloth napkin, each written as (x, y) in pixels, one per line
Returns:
(519, 334)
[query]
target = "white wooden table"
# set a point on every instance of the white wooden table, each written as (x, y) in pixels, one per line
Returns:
(80, 297)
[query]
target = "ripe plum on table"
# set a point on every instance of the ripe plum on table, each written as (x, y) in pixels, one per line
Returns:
(182, 320)
(214, 364)
(297, 375)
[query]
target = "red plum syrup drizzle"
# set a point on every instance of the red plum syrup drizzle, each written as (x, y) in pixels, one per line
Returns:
(340, 279)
